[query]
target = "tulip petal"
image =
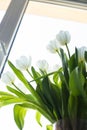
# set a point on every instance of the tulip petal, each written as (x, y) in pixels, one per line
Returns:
(23, 63)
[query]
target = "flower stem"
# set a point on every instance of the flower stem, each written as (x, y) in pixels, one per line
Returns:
(44, 75)
(58, 53)
(18, 88)
(68, 50)
(29, 73)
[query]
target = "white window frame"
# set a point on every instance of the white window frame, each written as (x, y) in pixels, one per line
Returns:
(9, 27)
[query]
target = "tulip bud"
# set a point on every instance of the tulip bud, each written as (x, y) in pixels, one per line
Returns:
(81, 53)
(43, 65)
(8, 78)
(53, 46)
(63, 37)
(23, 63)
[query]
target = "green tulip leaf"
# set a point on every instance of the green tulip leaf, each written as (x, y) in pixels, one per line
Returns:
(36, 75)
(64, 65)
(38, 118)
(19, 115)
(72, 62)
(76, 82)
(49, 127)
(72, 107)
(86, 56)
(22, 78)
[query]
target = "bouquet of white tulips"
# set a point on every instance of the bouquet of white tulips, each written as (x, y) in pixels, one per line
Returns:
(57, 95)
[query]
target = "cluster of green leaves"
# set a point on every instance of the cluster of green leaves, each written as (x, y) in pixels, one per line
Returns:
(63, 97)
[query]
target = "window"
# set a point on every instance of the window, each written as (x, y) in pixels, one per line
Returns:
(72, 10)
(9, 26)
(40, 23)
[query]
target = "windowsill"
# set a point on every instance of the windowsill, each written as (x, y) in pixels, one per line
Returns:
(57, 11)
(52, 10)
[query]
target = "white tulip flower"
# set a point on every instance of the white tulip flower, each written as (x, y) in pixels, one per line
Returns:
(63, 37)
(8, 78)
(81, 53)
(23, 63)
(53, 46)
(43, 65)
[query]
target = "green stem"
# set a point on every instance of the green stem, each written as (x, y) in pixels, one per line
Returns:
(44, 76)
(18, 88)
(68, 50)
(58, 53)
(29, 73)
